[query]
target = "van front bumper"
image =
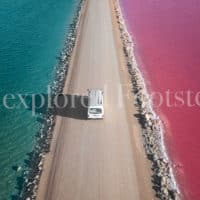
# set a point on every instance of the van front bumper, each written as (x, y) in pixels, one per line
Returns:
(95, 116)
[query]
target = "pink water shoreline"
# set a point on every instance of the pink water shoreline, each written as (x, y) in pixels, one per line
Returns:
(167, 49)
(152, 126)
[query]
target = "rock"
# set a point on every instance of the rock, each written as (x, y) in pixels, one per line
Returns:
(165, 192)
(19, 168)
(164, 181)
(37, 177)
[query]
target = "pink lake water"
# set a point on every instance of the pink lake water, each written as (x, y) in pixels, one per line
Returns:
(167, 38)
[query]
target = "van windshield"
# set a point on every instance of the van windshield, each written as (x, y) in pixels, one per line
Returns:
(95, 110)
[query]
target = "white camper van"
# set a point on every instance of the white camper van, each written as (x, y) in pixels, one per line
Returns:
(95, 104)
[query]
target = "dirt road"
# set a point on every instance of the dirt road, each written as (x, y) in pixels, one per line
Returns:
(94, 159)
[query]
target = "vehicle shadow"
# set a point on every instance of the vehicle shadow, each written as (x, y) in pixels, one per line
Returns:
(65, 105)
(72, 106)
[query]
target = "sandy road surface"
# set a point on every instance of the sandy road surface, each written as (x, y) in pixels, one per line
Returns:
(94, 159)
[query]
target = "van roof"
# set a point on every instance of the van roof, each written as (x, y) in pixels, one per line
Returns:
(95, 97)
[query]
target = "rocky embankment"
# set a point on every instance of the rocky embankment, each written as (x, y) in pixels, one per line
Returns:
(163, 180)
(31, 176)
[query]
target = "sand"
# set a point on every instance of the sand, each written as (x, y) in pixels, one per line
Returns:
(97, 159)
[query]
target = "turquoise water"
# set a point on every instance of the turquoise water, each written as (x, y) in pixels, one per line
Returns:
(32, 34)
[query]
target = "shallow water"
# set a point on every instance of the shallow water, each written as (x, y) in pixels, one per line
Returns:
(32, 34)
(167, 40)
